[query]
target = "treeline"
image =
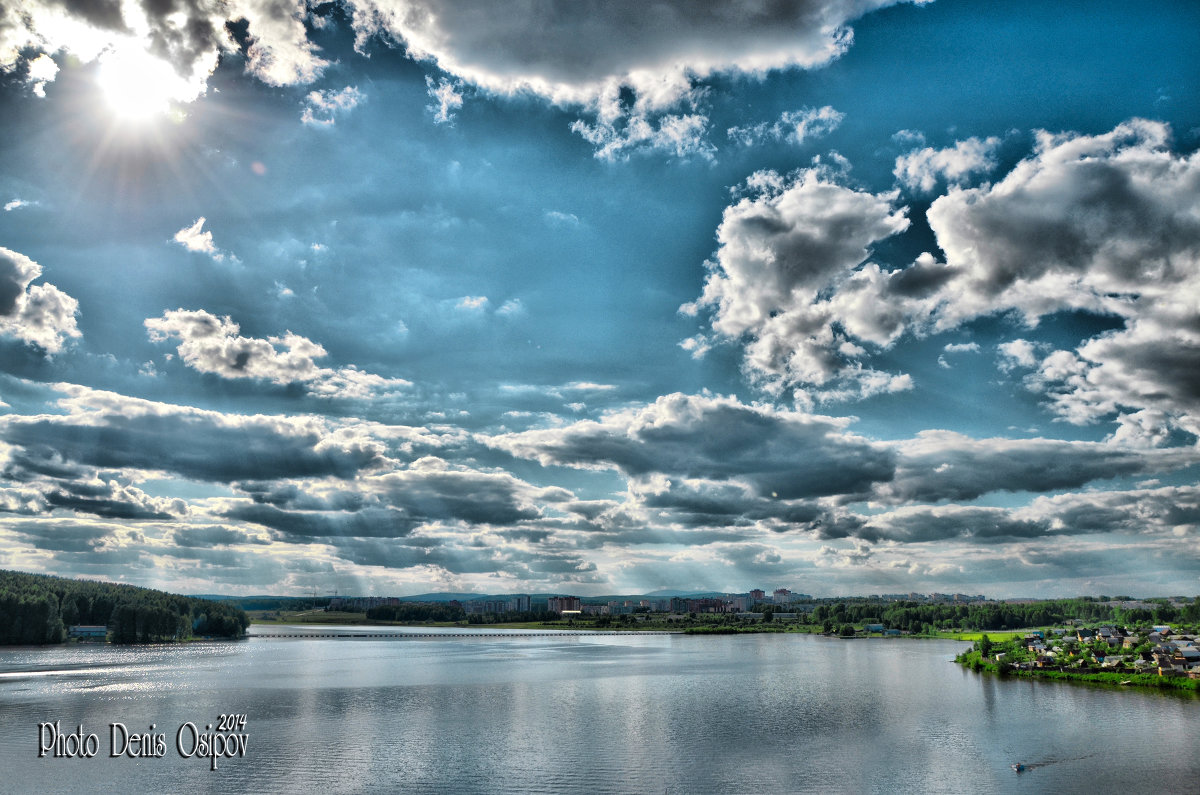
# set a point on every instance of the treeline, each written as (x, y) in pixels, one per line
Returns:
(915, 617)
(38, 609)
(513, 617)
(444, 611)
(417, 611)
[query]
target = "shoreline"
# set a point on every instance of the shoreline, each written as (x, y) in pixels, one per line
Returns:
(971, 660)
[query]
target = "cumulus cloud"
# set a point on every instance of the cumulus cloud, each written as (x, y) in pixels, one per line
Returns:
(634, 66)
(586, 56)
(38, 314)
(1106, 224)
(196, 238)
(794, 126)
(781, 249)
(212, 344)
(42, 70)
(921, 169)
(321, 108)
(182, 41)
(1017, 353)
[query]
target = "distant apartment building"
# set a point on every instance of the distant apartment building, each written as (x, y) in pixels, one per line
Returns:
(354, 603)
(757, 596)
(781, 596)
(706, 605)
(509, 604)
(557, 604)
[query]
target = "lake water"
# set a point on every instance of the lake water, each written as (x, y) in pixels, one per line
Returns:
(569, 713)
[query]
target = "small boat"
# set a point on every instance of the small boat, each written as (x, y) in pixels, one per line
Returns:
(1018, 767)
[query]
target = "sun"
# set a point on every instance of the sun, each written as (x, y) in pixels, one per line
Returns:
(137, 86)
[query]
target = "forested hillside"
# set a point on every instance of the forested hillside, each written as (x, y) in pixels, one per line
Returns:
(914, 617)
(37, 608)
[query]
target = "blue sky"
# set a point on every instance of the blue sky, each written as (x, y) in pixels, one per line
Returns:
(391, 297)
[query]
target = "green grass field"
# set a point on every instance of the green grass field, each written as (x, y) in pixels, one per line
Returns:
(997, 637)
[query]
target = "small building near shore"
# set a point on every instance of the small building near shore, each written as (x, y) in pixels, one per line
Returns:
(88, 632)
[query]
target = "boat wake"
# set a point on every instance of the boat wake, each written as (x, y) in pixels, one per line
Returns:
(1022, 767)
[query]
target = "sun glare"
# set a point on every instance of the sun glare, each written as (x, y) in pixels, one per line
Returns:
(139, 87)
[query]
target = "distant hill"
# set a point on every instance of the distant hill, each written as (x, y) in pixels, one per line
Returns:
(268, 602)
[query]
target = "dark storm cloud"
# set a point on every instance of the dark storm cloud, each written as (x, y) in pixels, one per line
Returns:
(35, 461)
(397, 555)
(58, 537)
(210, 536)
(107, 507)
(476, 497)
(981, 525)
(304, 525)
(783, 454)
(940, 465)
(191, 443)
(291, 496)
(392, 504)
(698, 506)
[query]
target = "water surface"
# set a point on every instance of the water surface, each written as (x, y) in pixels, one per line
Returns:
(575, 713)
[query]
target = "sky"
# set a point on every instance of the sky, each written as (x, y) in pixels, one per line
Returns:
(397, 296)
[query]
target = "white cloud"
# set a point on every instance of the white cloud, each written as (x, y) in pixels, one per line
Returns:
(922, 168)
(632, 65)
(780, 249)
(909, 137)
(472, 303)
(1105, 223)
(448, 95)
(774, 452)
(42, 70)
(511, 308)
(795, 127)
(677, 135)
(16, 204)
(195, 238)
(558, 218)
(280, 53)
(1017, 353)
(583, 57)
(184, 41)
(39, 314)
(1108, 224)
(212, 344)
(323, 107)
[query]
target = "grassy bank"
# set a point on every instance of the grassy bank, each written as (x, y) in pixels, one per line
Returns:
(975, 661)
